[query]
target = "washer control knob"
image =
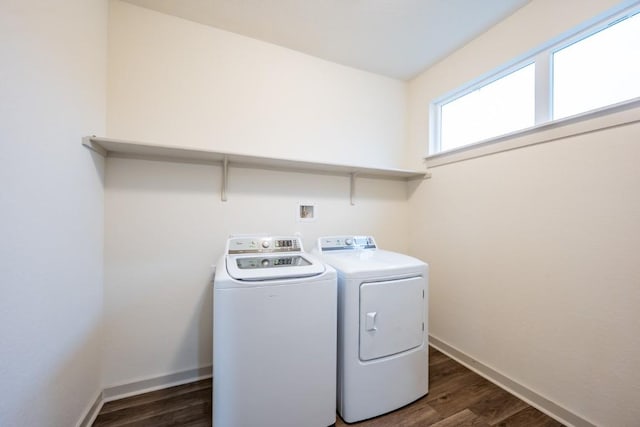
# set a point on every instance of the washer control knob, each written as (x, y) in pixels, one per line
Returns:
(265, 262)
(349, 242)
(265, 244)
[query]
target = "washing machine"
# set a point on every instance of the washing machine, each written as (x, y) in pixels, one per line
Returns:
(382, 326)
(274, 333)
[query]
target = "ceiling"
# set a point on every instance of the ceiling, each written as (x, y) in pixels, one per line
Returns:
(395, 38)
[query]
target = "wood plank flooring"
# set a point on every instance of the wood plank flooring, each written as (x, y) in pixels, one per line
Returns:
(457, 397)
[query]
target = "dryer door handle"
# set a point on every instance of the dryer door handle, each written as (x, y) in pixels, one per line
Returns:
(370, 321)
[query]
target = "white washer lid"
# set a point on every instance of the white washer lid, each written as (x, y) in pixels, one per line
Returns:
(257, 267)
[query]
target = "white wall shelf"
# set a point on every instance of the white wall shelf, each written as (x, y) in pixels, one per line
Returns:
(110, 147)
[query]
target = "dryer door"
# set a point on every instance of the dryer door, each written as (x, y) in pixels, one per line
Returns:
(391, 317)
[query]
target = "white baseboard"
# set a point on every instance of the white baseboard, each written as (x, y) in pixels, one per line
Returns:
(142, 386)
(91, 412)
(151, 384)
(541, 403)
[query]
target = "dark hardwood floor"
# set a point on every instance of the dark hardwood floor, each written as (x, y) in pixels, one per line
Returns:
(457, 397)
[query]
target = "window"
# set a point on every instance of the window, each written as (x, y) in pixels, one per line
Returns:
(605, 65)
(592, 69)
(502, 106)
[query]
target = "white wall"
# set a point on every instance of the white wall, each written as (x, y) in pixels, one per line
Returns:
(534, 252)
(165, 228)
(180, 83)
(177, 82)
(52, 92)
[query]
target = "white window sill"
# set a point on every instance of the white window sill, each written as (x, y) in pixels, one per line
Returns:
(621, 114)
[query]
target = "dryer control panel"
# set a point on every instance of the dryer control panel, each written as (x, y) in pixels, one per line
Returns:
(340, 243)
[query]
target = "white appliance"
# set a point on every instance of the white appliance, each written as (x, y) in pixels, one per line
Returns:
(382, 326)
(274, 333)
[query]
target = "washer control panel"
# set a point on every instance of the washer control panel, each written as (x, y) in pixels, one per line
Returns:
(250, 245)
(339, 243)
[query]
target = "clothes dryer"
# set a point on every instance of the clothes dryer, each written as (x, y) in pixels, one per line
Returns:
(382, 326)
(274, 329)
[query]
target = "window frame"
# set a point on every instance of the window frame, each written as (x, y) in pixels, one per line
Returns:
(542, 57)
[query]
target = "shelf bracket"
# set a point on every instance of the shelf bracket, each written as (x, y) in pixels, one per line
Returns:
(225, 177)
(352, 188)
(87, 142)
